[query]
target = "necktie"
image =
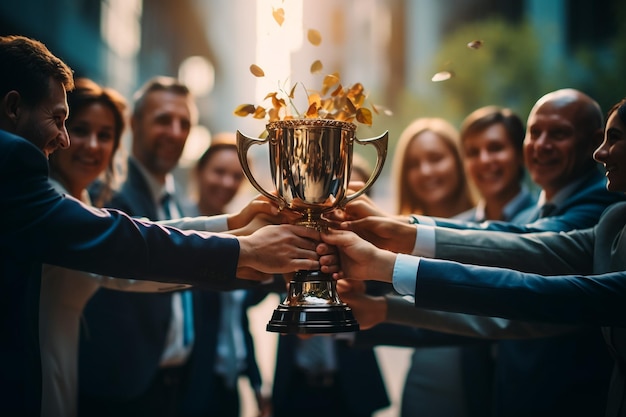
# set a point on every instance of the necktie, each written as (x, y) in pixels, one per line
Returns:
(165, 205)
(231, 371)
(186, 300)
(316, 354)
(546, 210)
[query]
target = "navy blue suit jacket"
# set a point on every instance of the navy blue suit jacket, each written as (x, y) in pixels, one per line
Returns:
(39, 225)
(123, 336)
(200, 397)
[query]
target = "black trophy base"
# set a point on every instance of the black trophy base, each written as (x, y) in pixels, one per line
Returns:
(312, 320)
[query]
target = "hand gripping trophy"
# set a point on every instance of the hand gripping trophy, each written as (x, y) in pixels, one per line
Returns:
(310, 162)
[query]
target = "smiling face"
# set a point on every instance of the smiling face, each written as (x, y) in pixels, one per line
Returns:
(219, 180)
(161, 130)
(431, 171)
(492, 162)
(557, 150)
(612, 153)
(44, 124)
(92, 132)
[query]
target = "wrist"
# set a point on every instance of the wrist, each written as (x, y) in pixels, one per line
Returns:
(387, 262)
(246, 252)
(379, 309)
(233, 221)
(406, 238)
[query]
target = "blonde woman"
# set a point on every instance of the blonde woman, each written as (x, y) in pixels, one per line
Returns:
(428, 170)
(431, 181)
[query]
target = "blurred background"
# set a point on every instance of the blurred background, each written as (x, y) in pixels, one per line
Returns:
(484, 52)
(393, 47)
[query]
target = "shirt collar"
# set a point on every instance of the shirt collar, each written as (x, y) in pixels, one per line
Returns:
(510, 209)
(157, 190)
(563, 194)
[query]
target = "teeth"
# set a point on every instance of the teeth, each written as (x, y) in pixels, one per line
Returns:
(489, 177)
(87, 161)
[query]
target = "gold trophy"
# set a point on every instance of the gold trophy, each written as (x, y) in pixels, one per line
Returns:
(310, 160)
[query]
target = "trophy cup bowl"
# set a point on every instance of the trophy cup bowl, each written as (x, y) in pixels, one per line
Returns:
(310, 162)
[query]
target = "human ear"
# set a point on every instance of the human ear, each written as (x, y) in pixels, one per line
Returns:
(11, 106)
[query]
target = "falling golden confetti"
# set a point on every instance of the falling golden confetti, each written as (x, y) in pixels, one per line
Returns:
(477, 44)
(364, 116)
(314, 37)
(244, 110)
(316, 67)
(259, 113)
(257, 71)
(442, 76)
(279, 15)
(333, 101)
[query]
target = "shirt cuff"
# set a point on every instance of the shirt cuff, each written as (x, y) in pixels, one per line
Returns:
(426, 220)
(424, 241)
(405, 274)
(216, 224)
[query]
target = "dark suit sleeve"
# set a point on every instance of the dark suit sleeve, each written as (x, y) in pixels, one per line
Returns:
(39, 224)
(581, 210)
(391, 334)
(488, 291)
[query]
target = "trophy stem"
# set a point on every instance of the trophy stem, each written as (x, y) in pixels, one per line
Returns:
(313, 220)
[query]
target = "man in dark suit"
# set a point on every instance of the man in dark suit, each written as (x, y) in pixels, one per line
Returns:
(38, 225)
(568, 372)
(157, 338)
(594, 300)
(212, 389)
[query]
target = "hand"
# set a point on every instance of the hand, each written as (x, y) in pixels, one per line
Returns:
(264, 404)
(255, 224)
(385, 232)
(279, 249)
(368, 310)
(260, 205)
(359, 259)
(361, 207)
(329, 257)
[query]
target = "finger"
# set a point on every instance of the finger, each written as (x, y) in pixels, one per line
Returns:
(336, 275)
(264, 206)
(304, 264)
(356, 285)
(355, 185)
(330, 269)
(329, 260)
(306, 232)
(305, 244)
(325, 249)
(344, 287)
(337, 237)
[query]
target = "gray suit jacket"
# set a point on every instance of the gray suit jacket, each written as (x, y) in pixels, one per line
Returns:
(598, 300)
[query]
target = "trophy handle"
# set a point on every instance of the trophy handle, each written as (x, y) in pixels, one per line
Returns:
(243, 144)
(380, 143)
